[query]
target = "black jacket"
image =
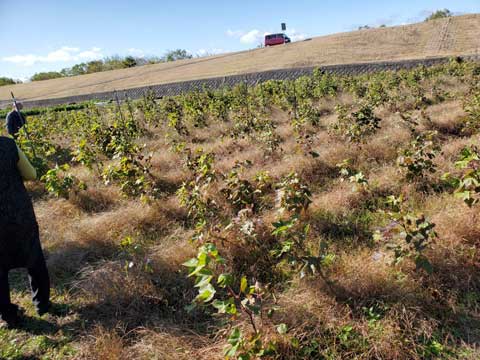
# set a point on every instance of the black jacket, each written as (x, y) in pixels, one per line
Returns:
(19, 239)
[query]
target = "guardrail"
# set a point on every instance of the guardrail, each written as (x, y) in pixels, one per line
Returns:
(178, 88)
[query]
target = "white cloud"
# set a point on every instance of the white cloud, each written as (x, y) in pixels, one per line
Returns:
(294, 35)
(92, 54)
(64, 54)
(246, 37)
(136, 52)
(251, 37)
(27, 60)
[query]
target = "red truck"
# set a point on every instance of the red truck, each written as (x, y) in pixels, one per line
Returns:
(276, 39)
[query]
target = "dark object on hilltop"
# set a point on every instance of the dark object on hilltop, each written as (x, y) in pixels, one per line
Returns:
(14, 122)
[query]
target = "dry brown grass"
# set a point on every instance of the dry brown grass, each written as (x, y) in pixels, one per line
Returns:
(95, 199)
(315, 310)
(457, 224)
(122, 312)
(173, 345)
(383, 147)
(339, 199)
(80, 238)
(309, 304)
(387, 179)
(367, 277)
(395, 43)
(103, 344)
(446, 117)
(362, 281)
(160, 343)
(450, 153)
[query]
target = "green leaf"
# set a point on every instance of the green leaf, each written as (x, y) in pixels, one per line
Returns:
(446, 176)
(230, 352)
(225, 306)
(211, 249)
(422, 262)
(196, 270)
(192, 263)
(203, 260)
(243, 284)
(204, 272)
(204, 281)
(235, 337)
(306, 229)
(206, 293)
(225, 280)
(464, 195)
(282, 226)
(254, 308)
(328, 260)
(282, 329)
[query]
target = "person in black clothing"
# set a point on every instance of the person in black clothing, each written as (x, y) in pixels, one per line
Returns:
(15, 120)
(19, 236)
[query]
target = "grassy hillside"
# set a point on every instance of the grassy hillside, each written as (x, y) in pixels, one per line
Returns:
(315, 218)
(443, 37)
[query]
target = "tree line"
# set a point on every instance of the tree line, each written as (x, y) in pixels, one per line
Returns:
(111, 63)
(108, 63)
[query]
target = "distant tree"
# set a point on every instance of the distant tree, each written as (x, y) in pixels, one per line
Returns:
(66, 72)
(108, 63)
(174, 55)
(78, 69)
(112, 63)
(95, 66)
(364, 27)
(8, 81)
(383, 26)
(129, 62)
(46, 75)
(439, 14)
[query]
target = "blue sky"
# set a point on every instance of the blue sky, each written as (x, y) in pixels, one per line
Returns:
(45, 35)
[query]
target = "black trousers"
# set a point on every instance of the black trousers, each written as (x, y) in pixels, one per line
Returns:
(34, 261)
